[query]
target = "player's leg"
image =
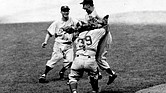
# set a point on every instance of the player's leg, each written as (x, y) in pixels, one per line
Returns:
(92, 69)
(94, 83)
(103, 64)
(101, 54)
(56, 56)
(64, 68)
(111, 78)
(42, 78)
(93, 77)
(73, 86)
(68, 59)
(73, 78)
(100, 50)
(75, 74)
(99, 74)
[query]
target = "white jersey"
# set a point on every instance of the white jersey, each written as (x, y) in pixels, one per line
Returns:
(56, 28)
(87, 41)
(93, 14)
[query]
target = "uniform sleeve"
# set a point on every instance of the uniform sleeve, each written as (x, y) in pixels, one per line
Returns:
(75, 22)
(95, 14)
(52, 28)
(86, 18)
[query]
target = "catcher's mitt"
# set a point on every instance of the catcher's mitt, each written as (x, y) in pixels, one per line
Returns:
(105, 20)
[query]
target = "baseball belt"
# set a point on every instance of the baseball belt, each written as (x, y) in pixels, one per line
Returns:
(67, 42)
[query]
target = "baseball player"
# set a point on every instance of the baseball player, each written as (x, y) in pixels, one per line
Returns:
(86, 49)
(85, 60)
(105, 40)
(104, 44)
(63, 48)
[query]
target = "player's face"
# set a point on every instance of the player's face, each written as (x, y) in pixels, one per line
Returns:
(65, 14)
(86, 7)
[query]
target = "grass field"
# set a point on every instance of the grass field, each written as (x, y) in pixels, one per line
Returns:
(137, 55)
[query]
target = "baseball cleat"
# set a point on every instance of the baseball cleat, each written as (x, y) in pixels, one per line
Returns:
(111, 78)
(42, 79)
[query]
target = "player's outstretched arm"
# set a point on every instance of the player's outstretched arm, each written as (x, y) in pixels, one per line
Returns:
(45, 41)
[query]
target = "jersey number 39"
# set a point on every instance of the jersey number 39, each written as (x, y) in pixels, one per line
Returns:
(85, 41)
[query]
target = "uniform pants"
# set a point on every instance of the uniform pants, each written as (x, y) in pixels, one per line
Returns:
(80, 64)
(58, 54)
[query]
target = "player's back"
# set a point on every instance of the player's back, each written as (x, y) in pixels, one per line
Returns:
(87, 41)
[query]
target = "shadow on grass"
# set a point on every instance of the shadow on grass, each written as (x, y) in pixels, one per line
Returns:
(57, 79)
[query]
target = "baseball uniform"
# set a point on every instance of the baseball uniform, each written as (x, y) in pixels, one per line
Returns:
(86, 47)
(62, 46)
(105, 40)
(104, 44)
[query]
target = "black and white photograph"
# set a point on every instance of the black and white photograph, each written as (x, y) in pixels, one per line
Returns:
(82, 46)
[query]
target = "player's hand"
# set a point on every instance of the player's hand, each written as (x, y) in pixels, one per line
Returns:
(44, 44)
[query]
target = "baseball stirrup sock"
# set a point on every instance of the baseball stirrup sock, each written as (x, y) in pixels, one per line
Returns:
(47, 70)
(63, 69)
(73, 86)
(94, 84)
(109, 71)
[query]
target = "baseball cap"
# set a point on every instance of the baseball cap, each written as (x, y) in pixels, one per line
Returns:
(87, 2)
(65, 8)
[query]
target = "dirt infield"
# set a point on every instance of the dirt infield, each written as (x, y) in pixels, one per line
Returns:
(155, 89)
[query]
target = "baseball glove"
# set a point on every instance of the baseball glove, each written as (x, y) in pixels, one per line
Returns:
(105, 20)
